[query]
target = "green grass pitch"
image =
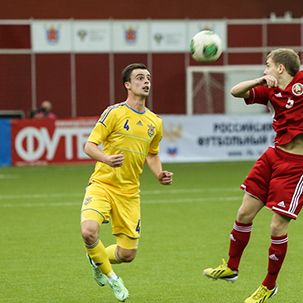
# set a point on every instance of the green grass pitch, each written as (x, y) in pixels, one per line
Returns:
(185, 228)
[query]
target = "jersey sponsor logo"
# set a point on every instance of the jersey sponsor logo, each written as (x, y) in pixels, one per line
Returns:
(279, 95)
(151, 130)
(281, 204)
(297, 89)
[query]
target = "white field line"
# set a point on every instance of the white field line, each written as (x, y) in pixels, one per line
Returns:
(148, 197)
(144, 201)
(4, 177)
(143, 193)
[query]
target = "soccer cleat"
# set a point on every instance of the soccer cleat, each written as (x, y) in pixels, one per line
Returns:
(119, 290)
(262, 295)
(222, 272)
(99, 277)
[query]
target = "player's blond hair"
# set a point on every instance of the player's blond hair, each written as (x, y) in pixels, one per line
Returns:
(288, 57)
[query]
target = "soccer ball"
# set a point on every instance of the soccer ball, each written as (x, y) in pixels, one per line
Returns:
(206, 46)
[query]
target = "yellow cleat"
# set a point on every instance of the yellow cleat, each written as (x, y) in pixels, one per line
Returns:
(262, 295)
(222, 272)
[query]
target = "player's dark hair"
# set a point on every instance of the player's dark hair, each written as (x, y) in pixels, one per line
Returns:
(128, 70)
(288, 57)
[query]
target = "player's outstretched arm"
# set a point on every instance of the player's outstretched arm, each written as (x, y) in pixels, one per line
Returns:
(92, 150)
(155, 165)
(241, 90)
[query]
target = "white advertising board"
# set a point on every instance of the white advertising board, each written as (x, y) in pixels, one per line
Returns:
(51, 36)
(130, 36)
(92, 36)
(169, 36)
(119, 36)
(215, 137)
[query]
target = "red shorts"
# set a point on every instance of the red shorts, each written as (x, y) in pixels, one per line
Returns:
(277, 180)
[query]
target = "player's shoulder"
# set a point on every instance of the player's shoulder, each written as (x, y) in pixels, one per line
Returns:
(153, 116)
(111, 110)
(296, 85)
(116, 106)
(299, 76)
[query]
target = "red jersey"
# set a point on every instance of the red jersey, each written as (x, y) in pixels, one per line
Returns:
(287, 105)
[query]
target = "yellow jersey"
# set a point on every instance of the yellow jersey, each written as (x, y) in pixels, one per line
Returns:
(121, 129)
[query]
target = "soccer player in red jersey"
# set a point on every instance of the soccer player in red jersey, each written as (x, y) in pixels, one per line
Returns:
(276, 179)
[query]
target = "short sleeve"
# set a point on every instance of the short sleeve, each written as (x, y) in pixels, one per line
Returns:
(103, 127)
(155, 144)
(258, 94)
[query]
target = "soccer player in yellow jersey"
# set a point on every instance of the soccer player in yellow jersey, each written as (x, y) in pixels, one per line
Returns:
(129, 134)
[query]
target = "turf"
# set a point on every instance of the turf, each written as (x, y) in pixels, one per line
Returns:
(185, 228)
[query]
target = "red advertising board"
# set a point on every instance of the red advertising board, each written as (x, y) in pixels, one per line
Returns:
(47, 141)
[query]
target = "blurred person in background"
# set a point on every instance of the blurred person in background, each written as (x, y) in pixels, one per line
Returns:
(276, 179)
(44, 111)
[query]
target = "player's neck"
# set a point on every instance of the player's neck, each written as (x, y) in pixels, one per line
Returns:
(285, 81)
(138, 104)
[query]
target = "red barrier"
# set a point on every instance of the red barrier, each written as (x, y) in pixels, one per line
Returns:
(50, 141)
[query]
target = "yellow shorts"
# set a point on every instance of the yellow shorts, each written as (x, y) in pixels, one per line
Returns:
(101, 204)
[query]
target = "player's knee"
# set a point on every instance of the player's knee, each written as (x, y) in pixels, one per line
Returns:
(89, 234)
(249, 208)
(244, 216)
(279, 225)
(277, 229)
(126, 255)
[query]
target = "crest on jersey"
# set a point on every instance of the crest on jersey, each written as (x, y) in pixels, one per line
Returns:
(151, 130)
(297, 89)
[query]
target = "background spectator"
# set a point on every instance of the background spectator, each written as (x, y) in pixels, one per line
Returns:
(44, 111)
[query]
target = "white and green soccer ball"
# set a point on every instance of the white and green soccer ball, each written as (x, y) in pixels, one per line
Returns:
(206, 46)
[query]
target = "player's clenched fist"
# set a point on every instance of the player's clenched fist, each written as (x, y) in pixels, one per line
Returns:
(114, 160)
(165, 177)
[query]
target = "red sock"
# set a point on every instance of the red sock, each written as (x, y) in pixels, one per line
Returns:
(239, 238)
(276, 255)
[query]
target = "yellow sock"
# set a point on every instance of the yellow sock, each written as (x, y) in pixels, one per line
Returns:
(98, 254)
(112, 255)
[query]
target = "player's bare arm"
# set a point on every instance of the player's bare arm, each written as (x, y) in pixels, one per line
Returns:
(92, 150)
(163, 176)
(241, 90)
